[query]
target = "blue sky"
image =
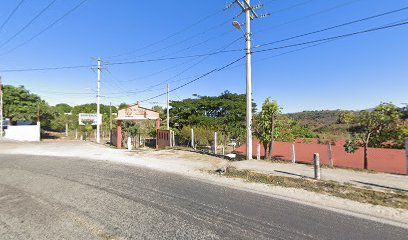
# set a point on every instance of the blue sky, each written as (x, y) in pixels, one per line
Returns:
(351, 73)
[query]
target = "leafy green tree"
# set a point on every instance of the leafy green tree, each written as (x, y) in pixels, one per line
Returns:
(372, 128)
(266, 122)
(224, 114)
(20, 104)
(123, 106)
(63, 108)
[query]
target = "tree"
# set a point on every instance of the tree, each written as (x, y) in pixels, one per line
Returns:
(63, 108)
(224, 114)
(123, 106)
(266, 122)
(20, 104)
(371, 128)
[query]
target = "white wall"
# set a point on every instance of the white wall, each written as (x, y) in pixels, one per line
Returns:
(24, 133)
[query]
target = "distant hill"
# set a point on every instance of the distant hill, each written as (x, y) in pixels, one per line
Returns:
(324, 123)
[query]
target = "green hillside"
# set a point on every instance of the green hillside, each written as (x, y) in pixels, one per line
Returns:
(324, 123)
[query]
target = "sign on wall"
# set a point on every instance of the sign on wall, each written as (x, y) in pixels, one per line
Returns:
(89, 118)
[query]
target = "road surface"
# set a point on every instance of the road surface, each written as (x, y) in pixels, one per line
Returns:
(71, 198)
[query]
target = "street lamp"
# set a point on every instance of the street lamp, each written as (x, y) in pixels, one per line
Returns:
(247, 35)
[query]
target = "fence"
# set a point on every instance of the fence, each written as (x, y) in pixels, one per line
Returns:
(379, 159)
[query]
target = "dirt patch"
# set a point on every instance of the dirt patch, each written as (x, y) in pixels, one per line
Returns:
(393, 199)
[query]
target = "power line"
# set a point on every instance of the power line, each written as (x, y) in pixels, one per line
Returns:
(337, 26)
(291, 7)
(123, 63)
(11, 15)
(213, 53)
(334, 37)
(191, 66)
(174, 58)
(310, 15)
(198, 78)
(317, 42)
(181, 41)
(48, 68)
(306, 47)
(169, 36)
(46, 28)
(157, 72)
(29, 23)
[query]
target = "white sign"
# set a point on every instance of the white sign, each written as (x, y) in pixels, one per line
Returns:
(89, 118)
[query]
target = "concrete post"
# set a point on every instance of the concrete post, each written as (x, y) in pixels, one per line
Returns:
(293, 153)
(223, 150)
(119, 135)
(157, 132)
(66, 129)
(76, 134)
(192, 138)
(174, 138)
(215, 143)
(316, 162)
(329, 149)
(258, 152)
(129, 143)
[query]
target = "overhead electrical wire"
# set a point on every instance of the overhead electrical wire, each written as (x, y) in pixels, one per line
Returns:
(189, 67)
(339, 25)
(169, 36)
(28, 24)
(334, 37)
(225, 51)
(11, 15)
(291, 7)
(198, 78)
(308, 16)
(316, 43)
(46, 28)
(208, 39)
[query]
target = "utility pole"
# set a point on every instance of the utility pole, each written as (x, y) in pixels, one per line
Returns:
(110, 123)
(248, 80)
(250, 14)
(168, 111)
(1, 108)
(98, 102)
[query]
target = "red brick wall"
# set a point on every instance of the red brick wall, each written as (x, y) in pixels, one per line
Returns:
(379, 159)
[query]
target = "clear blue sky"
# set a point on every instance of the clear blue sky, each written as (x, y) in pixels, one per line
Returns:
(352, 73)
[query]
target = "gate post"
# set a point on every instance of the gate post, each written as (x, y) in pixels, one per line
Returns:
(119, 135)
(157, 132)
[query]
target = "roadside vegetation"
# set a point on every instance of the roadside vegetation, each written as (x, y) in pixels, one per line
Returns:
(394, 199)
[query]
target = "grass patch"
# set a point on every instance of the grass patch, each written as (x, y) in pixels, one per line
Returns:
(348, 191)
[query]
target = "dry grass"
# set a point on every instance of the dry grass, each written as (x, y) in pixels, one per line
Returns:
(348, 191)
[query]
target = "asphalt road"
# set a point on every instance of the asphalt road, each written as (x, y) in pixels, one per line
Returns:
(71, 198)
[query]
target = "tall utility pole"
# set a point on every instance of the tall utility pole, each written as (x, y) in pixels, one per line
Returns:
(248, 81)
(168, 111)
(98, 102)
(249, 15)
(1, 108)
